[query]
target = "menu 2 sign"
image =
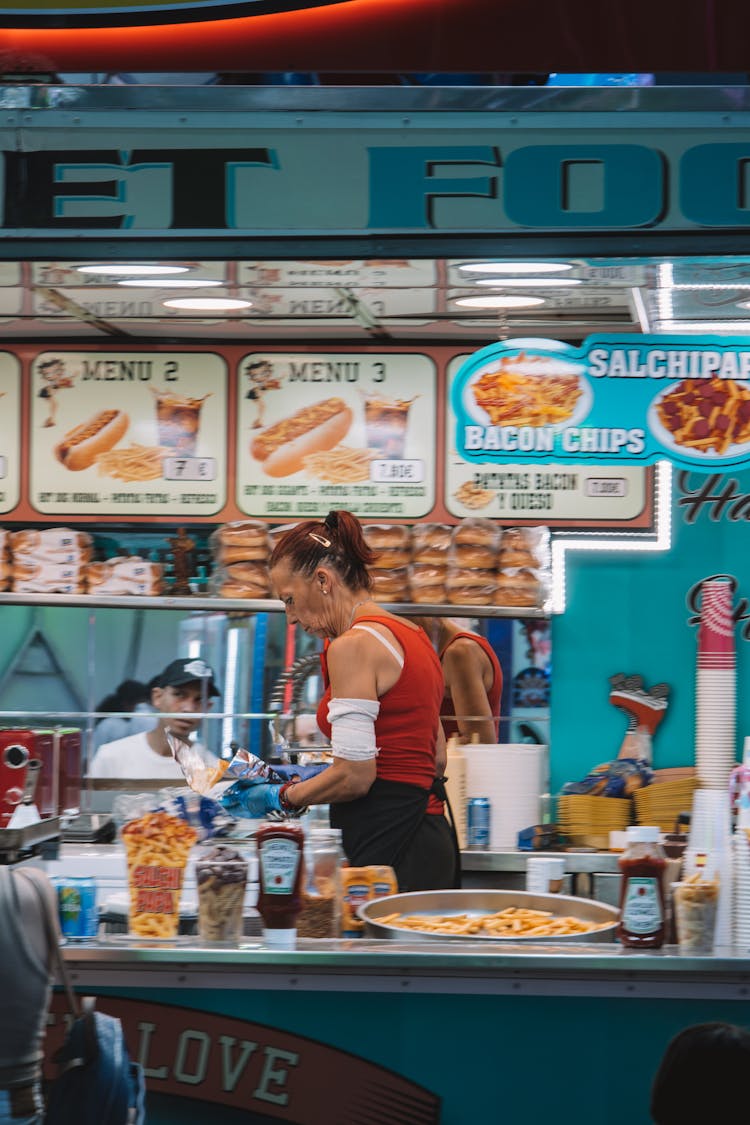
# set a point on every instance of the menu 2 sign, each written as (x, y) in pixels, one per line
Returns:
(10, 416)
(338, 430)
(128, 433)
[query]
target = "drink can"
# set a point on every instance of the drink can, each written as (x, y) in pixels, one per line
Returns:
(76, 901)
(478, 822)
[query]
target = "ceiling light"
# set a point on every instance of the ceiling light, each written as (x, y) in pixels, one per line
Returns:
(169, 283)
(743, 304)
(207, 304)
(516, 267)
(130, 269)
(499, 302)
(527, 282)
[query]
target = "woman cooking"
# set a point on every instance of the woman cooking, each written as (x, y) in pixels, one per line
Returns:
(380, 710)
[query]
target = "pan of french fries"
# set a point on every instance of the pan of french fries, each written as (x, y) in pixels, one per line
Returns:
(496, 916)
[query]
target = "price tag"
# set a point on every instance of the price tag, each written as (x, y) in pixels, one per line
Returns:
(606, 486)
(3, 467)
(395, 472)
(189, 468)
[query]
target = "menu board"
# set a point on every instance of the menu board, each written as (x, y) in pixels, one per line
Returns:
(128, 433)
(339, 430)
(10, 430)
(540, 493)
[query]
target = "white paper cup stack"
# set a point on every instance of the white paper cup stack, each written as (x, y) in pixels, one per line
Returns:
(456, 790)
(513, 776)
(741, 912)
(715, 689)
(710, 825)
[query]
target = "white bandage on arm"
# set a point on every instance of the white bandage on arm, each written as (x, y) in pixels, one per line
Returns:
(353, 728)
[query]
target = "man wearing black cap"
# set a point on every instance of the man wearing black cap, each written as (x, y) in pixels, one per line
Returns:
(185, 688)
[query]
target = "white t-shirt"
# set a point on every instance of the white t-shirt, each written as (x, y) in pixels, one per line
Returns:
(133, 757)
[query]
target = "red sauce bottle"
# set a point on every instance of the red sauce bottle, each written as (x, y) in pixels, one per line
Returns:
(281, 872)
(642, 905)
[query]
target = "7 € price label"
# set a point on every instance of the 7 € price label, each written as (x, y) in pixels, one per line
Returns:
(10, 431)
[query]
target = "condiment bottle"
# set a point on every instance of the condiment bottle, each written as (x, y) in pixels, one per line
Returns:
(642, 904)
(281, 872)
(321, 897)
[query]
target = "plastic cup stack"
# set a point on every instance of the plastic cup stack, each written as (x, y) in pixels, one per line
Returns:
(513, 776)
(715, 695)
(741, 912)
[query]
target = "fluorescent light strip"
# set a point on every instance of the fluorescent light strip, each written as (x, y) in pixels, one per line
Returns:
(664, 303)
(206, 304)
(230, 683)
(131, 269)
(662, 542)
(515, 267)
(710, 327)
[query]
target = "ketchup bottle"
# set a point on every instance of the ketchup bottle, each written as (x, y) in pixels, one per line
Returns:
(642, 907)
(281, 871)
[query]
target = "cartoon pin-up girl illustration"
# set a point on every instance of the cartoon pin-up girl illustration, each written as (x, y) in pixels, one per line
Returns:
(262, 379)
(54, 379)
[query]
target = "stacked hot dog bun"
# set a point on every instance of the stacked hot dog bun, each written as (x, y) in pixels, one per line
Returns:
(49, 561)
(241, 551)
(391, 544)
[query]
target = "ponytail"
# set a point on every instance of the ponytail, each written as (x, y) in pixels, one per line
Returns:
(337, 541)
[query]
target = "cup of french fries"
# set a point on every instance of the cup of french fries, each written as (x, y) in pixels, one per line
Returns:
(157, 847)
(695, 900)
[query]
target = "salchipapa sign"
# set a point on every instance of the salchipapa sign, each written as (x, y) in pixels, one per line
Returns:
(268, 1073)
(613, 400)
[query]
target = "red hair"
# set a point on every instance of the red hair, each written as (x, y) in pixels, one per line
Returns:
(337, 542)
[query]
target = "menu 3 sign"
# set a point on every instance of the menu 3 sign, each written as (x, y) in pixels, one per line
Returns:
(128, 433)
(336, 430)
(10, 415)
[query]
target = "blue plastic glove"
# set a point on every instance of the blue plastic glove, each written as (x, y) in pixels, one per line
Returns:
(254, 799)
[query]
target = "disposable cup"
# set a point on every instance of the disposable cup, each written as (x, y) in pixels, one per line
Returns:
(695, 915)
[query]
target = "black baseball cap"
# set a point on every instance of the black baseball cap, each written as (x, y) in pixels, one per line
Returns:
(181, 672)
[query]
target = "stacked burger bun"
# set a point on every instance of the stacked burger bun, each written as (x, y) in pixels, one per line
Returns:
(5, 568)
(391, 545)
(49, 561)
(431, 544)
(472, 570)
(130, 576)
(523, 577)
(241, 552)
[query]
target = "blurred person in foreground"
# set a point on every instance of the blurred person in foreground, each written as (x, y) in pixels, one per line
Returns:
(131, 696)
(473, 681)
(185, 687)
(27, 969)
(702, 1075)
(380, 710)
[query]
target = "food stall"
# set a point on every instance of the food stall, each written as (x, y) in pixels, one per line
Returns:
(443, 1031)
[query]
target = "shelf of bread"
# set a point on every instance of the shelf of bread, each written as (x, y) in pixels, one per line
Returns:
(198, 603)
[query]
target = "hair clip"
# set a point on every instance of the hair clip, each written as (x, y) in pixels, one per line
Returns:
(319, 539)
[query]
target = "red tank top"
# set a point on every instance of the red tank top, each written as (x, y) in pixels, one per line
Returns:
(406, 726)
(450, 726)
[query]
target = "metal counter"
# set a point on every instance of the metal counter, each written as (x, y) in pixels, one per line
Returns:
(457, 966)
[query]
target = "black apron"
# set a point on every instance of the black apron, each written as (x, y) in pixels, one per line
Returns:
(390, 825)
